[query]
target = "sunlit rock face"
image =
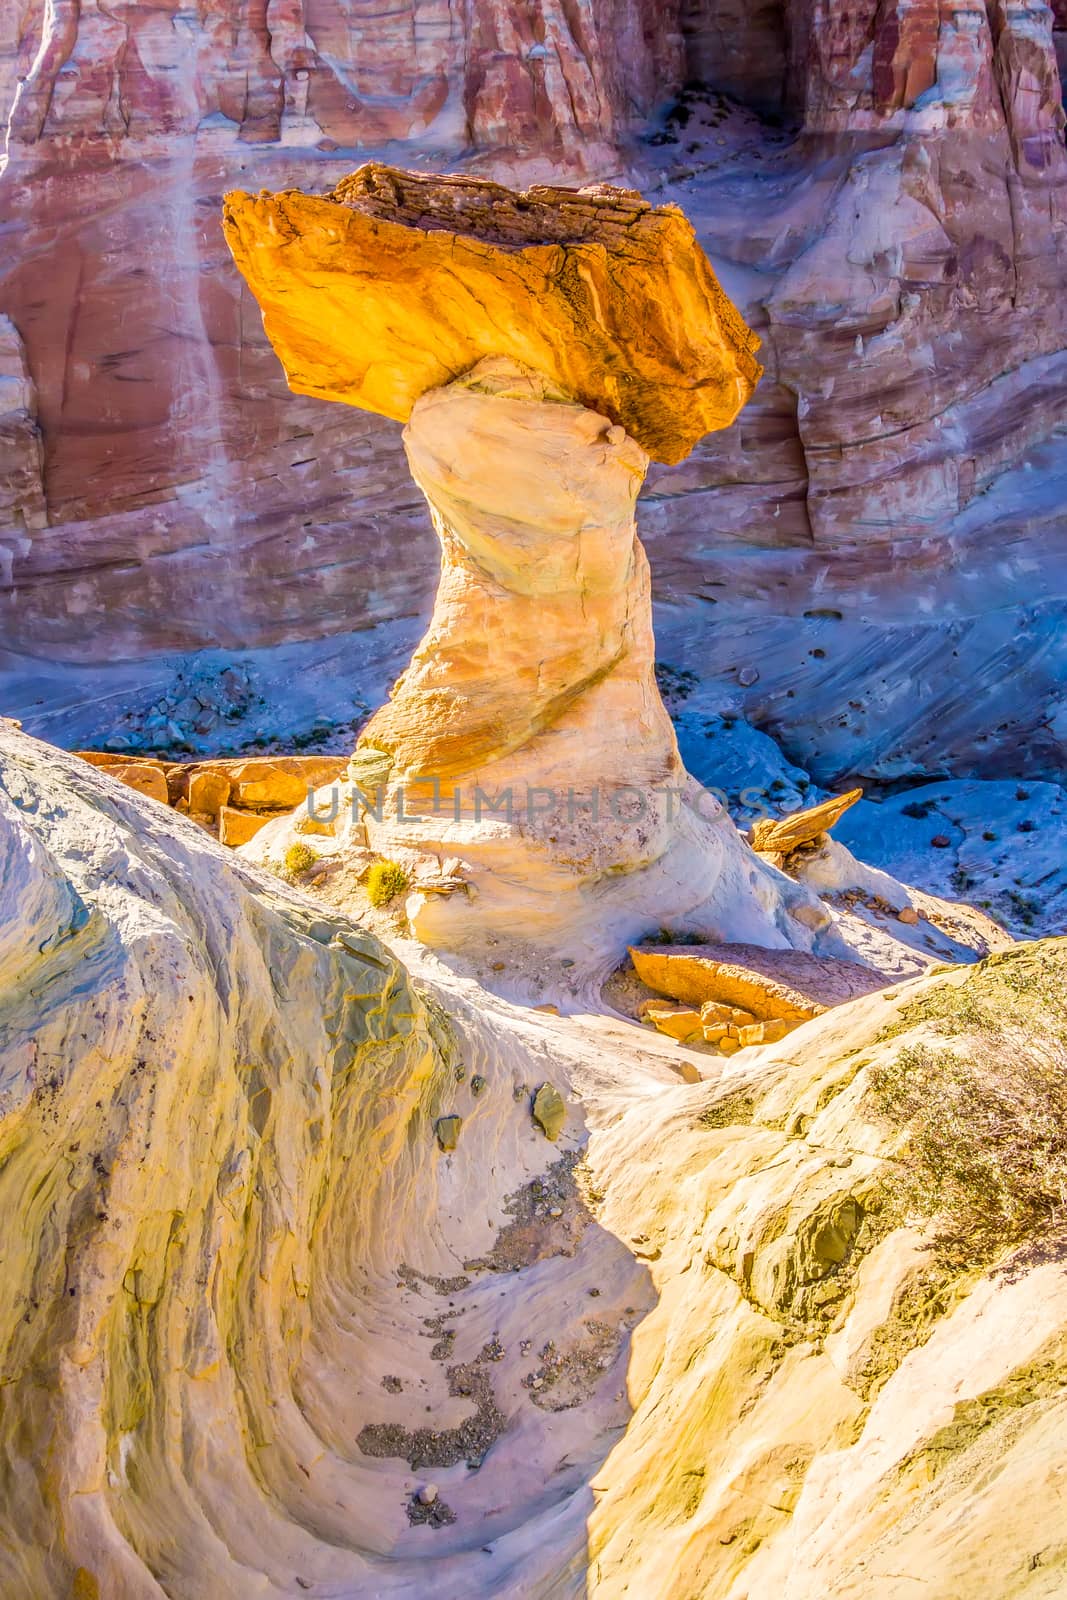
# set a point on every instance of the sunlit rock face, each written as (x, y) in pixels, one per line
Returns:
(396, 283)
(230, 1219)
(527, 743)
(270, 1321)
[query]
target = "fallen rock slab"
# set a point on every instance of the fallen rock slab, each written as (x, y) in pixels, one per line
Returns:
(237, 827)
(782, 835)
(772, 985)
(679, 1022)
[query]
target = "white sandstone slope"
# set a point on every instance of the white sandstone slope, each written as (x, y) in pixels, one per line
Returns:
(250, 1305)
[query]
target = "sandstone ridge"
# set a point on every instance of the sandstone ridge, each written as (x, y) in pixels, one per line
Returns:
(305, 1292)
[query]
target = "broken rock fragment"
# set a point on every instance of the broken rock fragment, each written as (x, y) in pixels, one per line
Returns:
(549, 1111)
(447, 1131)
(770, 985)
(782, 835)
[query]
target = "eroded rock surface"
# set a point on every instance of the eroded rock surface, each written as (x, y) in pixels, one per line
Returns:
(258, 1330)
(787, 985)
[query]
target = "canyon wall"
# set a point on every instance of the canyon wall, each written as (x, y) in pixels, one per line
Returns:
(879, 537)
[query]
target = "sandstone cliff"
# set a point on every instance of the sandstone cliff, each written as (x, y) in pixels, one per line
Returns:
(903, 262)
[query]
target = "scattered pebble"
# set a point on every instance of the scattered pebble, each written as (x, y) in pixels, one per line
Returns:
(447, 1131)
(427, 1494)
(549, 1111)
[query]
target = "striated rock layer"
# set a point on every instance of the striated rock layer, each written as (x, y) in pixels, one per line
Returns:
(527, 743)
(893, 498)
(298, 1296)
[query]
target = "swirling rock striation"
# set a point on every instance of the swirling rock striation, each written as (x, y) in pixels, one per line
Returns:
(250, 1312)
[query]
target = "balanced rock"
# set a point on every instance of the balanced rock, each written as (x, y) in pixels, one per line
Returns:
(397, 283)
(540, 347)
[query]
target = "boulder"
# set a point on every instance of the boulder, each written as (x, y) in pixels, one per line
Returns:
(782, 835)
(146, 777)
(447, 1131)
(549, 1111)
(396, 282)
(764, 1032)
(208, 792)
(714, 1011)
(268, 785)
(237, 827)
(676, 1021)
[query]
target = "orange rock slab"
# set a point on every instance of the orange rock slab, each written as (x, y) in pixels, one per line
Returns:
(397, 283)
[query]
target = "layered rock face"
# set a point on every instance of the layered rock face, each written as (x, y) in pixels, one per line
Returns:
(158, 448)
(897, 480)
(299, 1295)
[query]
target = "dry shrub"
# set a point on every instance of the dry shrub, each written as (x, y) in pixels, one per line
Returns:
(385, 880)
(986, 1117)
(299, 857)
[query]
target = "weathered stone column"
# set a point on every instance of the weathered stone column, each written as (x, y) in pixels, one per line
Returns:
(540, 349)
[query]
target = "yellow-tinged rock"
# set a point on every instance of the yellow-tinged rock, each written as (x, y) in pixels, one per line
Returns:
(764, 984)
(677, 1022)
(713, 1011)
(143, 776)
(779, 836)
(208, 792)
(237, 827)
(397, 283)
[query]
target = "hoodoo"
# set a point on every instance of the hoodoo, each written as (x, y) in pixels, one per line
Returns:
(540, 347)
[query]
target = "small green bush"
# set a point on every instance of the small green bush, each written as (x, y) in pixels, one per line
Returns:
(385, 880)
(299, 857)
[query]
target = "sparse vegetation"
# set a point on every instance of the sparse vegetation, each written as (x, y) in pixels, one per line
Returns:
(675, 683)
(385, 880)
(986, 1117)
(299, 857)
